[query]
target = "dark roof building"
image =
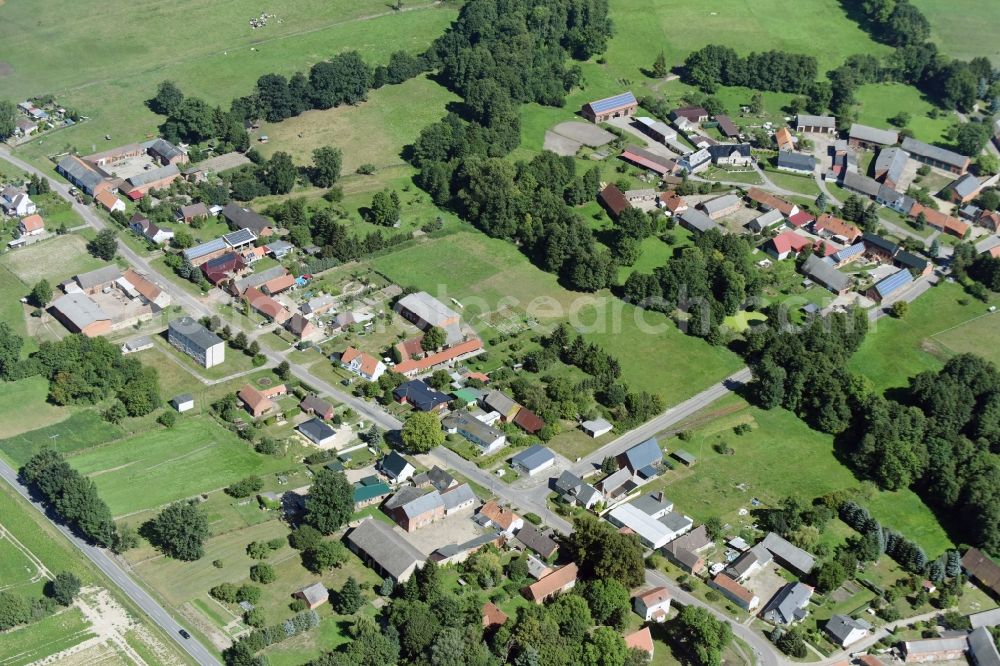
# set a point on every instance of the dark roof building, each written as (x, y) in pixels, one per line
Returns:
(531, 537)
(617, 106)
(727, 126)
(385, 550)
(979, 566)
(244, 218)
(423, 398)
(820, 271)
(788, 605)
(613, 200)
(798, 162)
(642, 455)
(935, 156)
(645, 159)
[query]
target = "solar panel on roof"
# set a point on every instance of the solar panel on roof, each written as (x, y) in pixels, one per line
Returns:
(239, 236)
(609, 103)
(894, 282)
(205, 248)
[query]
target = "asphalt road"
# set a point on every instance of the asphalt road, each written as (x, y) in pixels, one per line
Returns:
(103, 561)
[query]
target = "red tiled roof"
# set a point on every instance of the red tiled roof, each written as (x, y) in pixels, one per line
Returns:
(265, 305)
(613, 198)
(767, 199)
(106, 199)
(800, 219)
(254, 399)
(499, 515)
(837, 226)
(783, 137)
(478, 375)
(280, 283)
(528, 420)
(734, 588)
(552, 583)
(493, 616)
(939, 220)
(789, 241)
(148, 290)
(368, 362)
(410, 348)
(32, 223)
(408, 365)
(655, 596)
(641, 639)
(672, 201)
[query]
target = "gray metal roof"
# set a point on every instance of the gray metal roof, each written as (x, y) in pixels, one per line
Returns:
(983, 648)
(245, 218)
(788, 604)
(934, 152)
(822, 272)
(928, 645)
(80, 310)
(874, 135)
(698, 221)
(533, 457)
(423, 504)
(316, 430)
(457, 496)
(499, 402)
(163, 148)
(81, 172)
(195, 332)
(676, 521)
(793, 555)
(892, 161)
(720, 203)
(97, 277)
(797, 161)
(405, 495)
(807, 120)
(259, 278)
(385, 547)
(861, 184)
(966, 186)
(139, 343)
(144, 177)
(239, 237)
(182, 398)
(644, 454)
(841, 627)
(207, 247)
(427, 308)
(652, 503)
(464, 421)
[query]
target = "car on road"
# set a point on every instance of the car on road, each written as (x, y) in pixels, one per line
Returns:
(184, 633)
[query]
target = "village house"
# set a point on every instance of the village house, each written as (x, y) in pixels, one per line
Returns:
(940, 221)
(384, 550)
(573, 490)
(644, 459)
(731, 154)
(561, 580)
(784, 139)
(79, 314)
(683, 551)
(698, 222)
(317, 432)
(786, 244)
(192, 212)
(259, 279)
(396, 468)
(499, 517)
(422, 397)
(369, 491)
(672, 203)
(16, 203)
(618, 106)
(196, 341)
(767, 201)
(31, 225)
(109, 202)
(788, 605)
(964, 189)
(727, 127)
(652, 605)
(889, 166)
(412, 509)
(766, 221)
(302, 329)
(141, 225)
(223, 268)
(487, 438)
(415, 366)
(697, 161)
(425, 312)
(809, 124)
(798, 163)
(266, 306)
(533, 539)
(828, 226)
(259, 401)
(735, 592)
(642, 640)
(845, 630)
(693, 114)
(315, 406)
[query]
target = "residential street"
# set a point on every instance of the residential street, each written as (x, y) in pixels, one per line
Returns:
(110, 568)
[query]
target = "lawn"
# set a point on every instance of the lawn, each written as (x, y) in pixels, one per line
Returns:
(160, 462)
(805, 185)
(930, 332)
(23, 406)
(111, 80)
(55, 260)
(955, 24)
(80, 431)
(780, 456)
(879, 102)
(977, 336)
(486, 274)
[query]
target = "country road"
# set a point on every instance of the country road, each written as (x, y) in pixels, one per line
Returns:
(103, 561)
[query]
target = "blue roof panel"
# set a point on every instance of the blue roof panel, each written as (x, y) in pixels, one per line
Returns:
(893, 283)
(608, 103)
(849, 252)
(213, 245)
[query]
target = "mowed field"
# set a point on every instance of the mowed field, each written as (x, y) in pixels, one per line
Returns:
(55, 260)
(487, 274)
(116, 70)
(936, 327)
(964, 28)
(160, 463)
(23, 406)
(780, 456)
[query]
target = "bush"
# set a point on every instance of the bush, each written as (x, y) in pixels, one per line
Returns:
(258, 550)
(297, 605)
(217, 564)
(262, 573)
(246, 487)
(64, 588)
(533, 518)
(248, 593)
(226, 592)
(254, 618)
(167, 419)
(266, 446)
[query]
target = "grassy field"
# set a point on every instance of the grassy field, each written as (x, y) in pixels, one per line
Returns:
(23, 406)
(372, 132)
(485, 274)
(160, 462)
(879, 102)
(44, 638)
(55, 260)
(930, 332)
(780, 456)
(977, 336)
(110, 82)
(955, 25)
(80, 431)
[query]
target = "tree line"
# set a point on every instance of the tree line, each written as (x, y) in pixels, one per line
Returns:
(778, 71)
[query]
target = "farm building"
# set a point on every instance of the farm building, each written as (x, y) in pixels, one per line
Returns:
(862, 136)
(796, 162)
(815, 124)
(79, 314)
(645, 159)
(613, 201)
(317, 432)
(385, 551)
(425, 311)
(244, 218)
(618, 106)
(196, 341)
(825, 275)
(935, 156)
(722, 206)
(889, 166)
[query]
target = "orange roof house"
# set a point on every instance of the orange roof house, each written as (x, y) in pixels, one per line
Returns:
(255, 402)
(493, 616)
(279, 284)
(409, 366)
(31, 224)
(266, 305)
(783, 137)
(771, 202)
(560, 580)
(641, 640)
(501, 516)
(834, 226)
(360, 363)
(109, 201)
(941, 221)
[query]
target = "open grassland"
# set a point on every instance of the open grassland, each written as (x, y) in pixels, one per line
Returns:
(55, 260)
(80, 431)
(17, 568)
(111, 89)
(978, 336)
(922, 340)
(879, 102)
(23, 406)
(780, 456)
(160, 462)
(961, 28)
(372, 132)
(48, 636)
(485, 274)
